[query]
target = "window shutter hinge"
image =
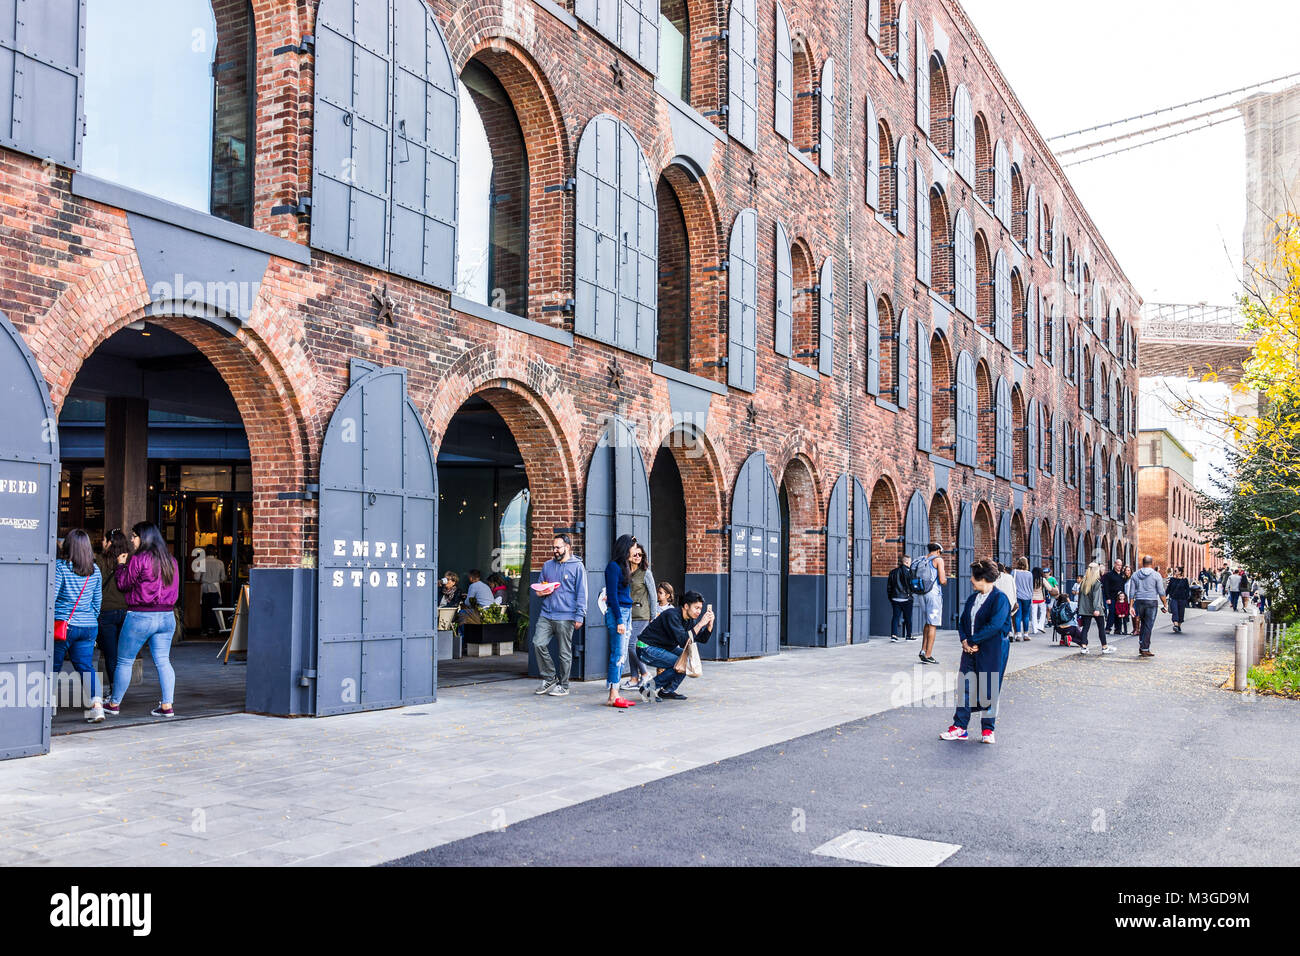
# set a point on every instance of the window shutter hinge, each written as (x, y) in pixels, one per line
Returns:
(723, 110)
(301, 208)
(307, 45)
(722, 266)
(724, 35)
(565, 306)
(569, 185)
(720, 363)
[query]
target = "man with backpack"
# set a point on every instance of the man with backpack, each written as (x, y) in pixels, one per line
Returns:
(899, 587)
(929, 575)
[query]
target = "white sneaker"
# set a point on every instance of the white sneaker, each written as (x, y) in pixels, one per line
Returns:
(1108, 649)
(1084, 650)
(95, 714)
(559, 690)
(545, 688)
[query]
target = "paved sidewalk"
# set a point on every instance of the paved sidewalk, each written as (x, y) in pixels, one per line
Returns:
(364, 788)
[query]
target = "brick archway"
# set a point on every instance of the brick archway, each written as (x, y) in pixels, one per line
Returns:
(273, 386)
(983, 528)
(943, 433)
(704, 494)
(807, 553)
(941, 523)
(886, 527)
(690, 247)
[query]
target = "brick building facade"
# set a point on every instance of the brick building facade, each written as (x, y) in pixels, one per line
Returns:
(859, 255)
(1170, 519)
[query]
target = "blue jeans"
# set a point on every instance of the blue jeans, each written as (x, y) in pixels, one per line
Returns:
(1024, 615)
(655, 656)
(80, 649)
(1146, 612)
(900, 621)
(617, 642)
(982, 672)
(110, 626)
(154, 628)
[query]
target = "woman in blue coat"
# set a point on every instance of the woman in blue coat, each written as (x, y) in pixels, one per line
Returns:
(618, 614)
(985, 629)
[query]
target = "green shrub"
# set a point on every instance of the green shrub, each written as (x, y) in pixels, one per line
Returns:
(1281, 674)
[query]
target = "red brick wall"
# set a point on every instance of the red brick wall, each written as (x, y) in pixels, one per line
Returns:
(69, 278)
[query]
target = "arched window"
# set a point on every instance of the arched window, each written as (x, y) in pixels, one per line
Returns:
(986, 418)
(1022, 222)
(963, 151)
(964, 264)
(804, 272)
(943, 437)
(985, 292)
(1019, 438)
(888, 345)
(805, 99)
(191, 141)
(1020, 335)
(939, 261)
(885, 157)
(1002, 426)
(941, 103)
(492, 254)
(984, 171)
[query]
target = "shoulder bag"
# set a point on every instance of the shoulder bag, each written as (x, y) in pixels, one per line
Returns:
(61, 627)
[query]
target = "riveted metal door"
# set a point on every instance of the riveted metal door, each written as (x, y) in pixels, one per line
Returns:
(922, 80)
(351, 153)
(826, 318)
(873, 343)
(1035, 545)
(742, 302)
(1081, 557)
(425, 151)
(784, 333)
(29, 490)
(1059, 557)
(837, 564)
(916, 539)
(755, 603)
(42, 78)
(903, 359)
(826, 120)
(902, 190)
(638, 250)
(872, 159)
(596, 251)
(1002, 299)
(1002, 425)
(965, 554)
(924, 385)
(1004, 538)
(783, 93)
(1033, 425)
(376, 626)
(742, 72)
(922, 225)
(966, 398)
(861, 564)
(617, 503)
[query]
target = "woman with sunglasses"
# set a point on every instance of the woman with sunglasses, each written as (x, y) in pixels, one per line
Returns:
(618, 614)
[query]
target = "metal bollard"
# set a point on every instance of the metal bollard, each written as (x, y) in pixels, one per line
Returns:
(1242, 654)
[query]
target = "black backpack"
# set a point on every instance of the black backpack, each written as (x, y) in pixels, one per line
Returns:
(1061, 614)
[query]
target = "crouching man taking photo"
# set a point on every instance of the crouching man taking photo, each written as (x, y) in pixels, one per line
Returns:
(664, 639)
(984, 626)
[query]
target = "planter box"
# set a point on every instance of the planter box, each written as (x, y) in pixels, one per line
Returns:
(490, 634)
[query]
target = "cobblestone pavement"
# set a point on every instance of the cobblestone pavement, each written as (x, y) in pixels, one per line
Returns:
(365, 788)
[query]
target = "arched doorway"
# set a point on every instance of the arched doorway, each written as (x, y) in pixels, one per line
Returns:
(886, 547)
(1019, 546)
(942, 534)
(983, 528)
(803, 563)
(756, 531)
(916, 540)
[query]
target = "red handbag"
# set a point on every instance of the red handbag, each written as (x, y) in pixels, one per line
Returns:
(61, 627)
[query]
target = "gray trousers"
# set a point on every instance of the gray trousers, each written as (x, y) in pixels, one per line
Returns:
(562, 631)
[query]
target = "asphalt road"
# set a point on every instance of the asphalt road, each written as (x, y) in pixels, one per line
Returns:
(1099, 761)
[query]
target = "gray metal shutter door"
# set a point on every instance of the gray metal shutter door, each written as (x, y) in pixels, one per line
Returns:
(601, 15)
(29, 452)
(1085, 482)
(837, 564)
(873, 343)
(964, 233)
(922, 226)
(1080, 557)
(826, 152)
(924, 384)
(1054, 454)
(826, 318)
(596, 246)
(784, 294)
(638, 32)
(902, 192)
(43, 78)
(873, 20)
(922, 81)
(904, 40)
(631, 485)
(1004, 539)
(872, 159)
(755, 604)
(1031, 444)
(861, 565)
(1096, 409)
(1032, 325)
(1035, 545)
(1002, 464)
(376, 631)
(1098, 504)
(903, 359)
(742, 302)
(1002, 183)
(1031, 220)
(426, 120)
(965, 556)
(353, 118)
(638, 250)
(916, 539)
(742, 72)
(592, 639)
(1002, 299)
(783, 118)
(966, 418)
(964, 134)
(1058, 554)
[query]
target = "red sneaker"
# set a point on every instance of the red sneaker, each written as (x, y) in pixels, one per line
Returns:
(620, 702)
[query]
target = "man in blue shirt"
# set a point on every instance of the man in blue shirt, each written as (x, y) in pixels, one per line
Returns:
(564, 607)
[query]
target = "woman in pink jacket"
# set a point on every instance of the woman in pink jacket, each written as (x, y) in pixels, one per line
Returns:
(150, 580)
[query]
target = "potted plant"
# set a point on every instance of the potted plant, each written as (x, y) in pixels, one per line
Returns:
(492, 627)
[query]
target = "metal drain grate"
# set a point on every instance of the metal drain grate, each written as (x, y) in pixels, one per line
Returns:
(882, 849)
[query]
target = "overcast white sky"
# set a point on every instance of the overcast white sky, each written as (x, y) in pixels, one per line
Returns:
(1169, 210)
